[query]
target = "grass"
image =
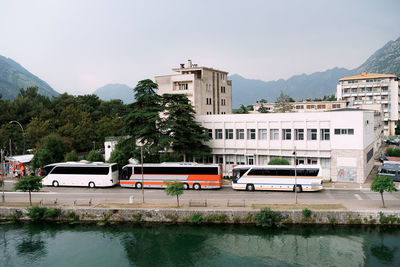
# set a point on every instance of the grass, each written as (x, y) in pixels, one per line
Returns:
(300, 206)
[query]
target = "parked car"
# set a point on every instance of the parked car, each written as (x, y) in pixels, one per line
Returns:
(391, 171)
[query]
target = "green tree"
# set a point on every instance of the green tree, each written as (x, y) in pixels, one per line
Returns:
(241, 110)
(29, 183)
(143, 119)
(383, 184)
(278, 161)
(263, 109)
(263, 101)
(37, 129)
(283, 103)
(41, 158)
(180, 131)
(95, 156)
(71, 156)
(124, 150)
(55, 146)
(174, 188)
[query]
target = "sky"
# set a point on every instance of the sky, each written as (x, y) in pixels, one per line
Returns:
(79, 46)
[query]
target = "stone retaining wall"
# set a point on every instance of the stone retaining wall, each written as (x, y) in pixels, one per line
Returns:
(210, 216)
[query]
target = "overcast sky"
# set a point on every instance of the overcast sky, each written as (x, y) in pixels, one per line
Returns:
(79, 46)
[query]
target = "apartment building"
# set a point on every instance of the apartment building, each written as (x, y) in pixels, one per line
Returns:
(373, 91)
(344, 148)
(303, 106)
(208, 89)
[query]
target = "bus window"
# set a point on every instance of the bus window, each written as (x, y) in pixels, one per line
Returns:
(126, 173)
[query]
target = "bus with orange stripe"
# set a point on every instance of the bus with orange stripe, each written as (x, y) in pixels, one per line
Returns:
(192, 175)
(277, 177)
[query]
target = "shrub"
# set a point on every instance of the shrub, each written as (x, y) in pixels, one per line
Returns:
(173, 218)
(71, 156)
(268, 218)
(249, 218)
(236, 219)
(95, 156)
(196, 218)
(36, 213)
(137, 217)
(215, 218)
(306, 213)
(332, 220)
(392, 152)
(72, 215)
(52, 213)
(278, 161)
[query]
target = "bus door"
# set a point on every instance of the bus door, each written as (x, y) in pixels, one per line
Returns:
(125, 173)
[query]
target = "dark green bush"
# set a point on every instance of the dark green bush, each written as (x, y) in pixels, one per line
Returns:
(36, 213)
(196, 218)
(392, 152)
(268, 218)
(306, 213)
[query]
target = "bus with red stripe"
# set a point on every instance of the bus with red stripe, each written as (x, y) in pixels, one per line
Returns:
(192, 175)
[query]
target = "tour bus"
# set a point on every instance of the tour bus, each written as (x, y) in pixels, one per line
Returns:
(277, 177)
(191, 174)
(91, 174)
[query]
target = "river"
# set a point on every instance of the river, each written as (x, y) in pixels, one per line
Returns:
(187, 245)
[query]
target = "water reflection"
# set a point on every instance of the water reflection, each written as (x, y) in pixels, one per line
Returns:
(185, 245)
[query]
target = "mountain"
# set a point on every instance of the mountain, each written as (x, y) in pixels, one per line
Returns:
(318, 84)
(115, 91)
(13, 77)
(386, 60)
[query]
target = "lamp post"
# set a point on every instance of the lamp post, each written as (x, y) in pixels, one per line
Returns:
(23, 133)
(141, 158)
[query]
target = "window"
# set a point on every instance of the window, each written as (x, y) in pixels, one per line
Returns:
(274, 134)
(208, 101)
(222, 89)
(251, 134)
(311, 134)
(223, 102)
(325, 163)
(209, 131)
(335, 105)
(312, 161)
(262, 134)
(240, 134)
(325, 135)
(299, 134)
(344, 131)
(228, 133)
(286, 134)
(299, 107)
(230, 159)
(218, 133)
(208, 87)
(299, 161)
(183, 86)
(240, 160)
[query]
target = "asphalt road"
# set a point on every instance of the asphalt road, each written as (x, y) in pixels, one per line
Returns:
(351, 199)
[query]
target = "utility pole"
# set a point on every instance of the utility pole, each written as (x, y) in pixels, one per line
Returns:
(141, 158)
(295, 175)
(23, 133)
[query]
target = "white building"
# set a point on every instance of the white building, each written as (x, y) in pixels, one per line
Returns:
(208, 89)
(373, 91)
(303, 106)
(342, 142)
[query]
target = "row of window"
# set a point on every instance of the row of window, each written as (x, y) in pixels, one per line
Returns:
(344, 131)
(209, 88)
(299, 134)
(209, 101)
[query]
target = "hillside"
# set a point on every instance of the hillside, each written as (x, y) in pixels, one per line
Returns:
(115, 91)
(13, 77)
(247, 91)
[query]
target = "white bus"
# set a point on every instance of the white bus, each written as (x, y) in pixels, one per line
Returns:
(277, 177)
(91, 174)
(191, 174)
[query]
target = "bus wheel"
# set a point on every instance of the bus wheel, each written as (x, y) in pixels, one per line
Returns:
(92, 185)
(185, 186)
(139, 185)
(196, 187)
(250, 187)
(55, 184)
(299, 189)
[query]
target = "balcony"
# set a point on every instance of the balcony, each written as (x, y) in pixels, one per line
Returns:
(368, 102)
(369, 94)
(385, 101)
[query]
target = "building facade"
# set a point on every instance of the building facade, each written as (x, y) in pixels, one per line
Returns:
(208, 89)
(373, 91)
(303, 106)
(344, 148)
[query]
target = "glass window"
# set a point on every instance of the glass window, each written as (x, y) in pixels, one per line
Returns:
(251, 134)
(337, 131)
(311, 134)
(240, 160)
(262, 134)
(286, 134)
(299, 134)
(240, 134)
(218, 133)
(274, 134)
(325, 163)
(228, 133)
(350, 131)
(230, 159)
(209, 132)
(325, 135)
(312, 161)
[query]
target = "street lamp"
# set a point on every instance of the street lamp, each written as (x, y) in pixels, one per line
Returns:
(23, 133)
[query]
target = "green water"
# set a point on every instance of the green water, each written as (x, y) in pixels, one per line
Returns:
(185, 245)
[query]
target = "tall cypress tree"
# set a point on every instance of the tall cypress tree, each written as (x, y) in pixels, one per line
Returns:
(143, 120)
(180, 131)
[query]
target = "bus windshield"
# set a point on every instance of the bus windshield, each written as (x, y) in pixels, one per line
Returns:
(237, 173)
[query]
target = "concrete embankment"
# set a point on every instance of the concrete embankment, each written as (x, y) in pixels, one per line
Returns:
(207, 216)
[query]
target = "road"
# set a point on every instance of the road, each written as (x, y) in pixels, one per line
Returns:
(351, 199)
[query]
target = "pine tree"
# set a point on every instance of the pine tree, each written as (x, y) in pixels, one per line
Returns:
(180, 131)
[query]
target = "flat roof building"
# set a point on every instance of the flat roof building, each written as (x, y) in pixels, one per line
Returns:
(208, 89)
(373, 91)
